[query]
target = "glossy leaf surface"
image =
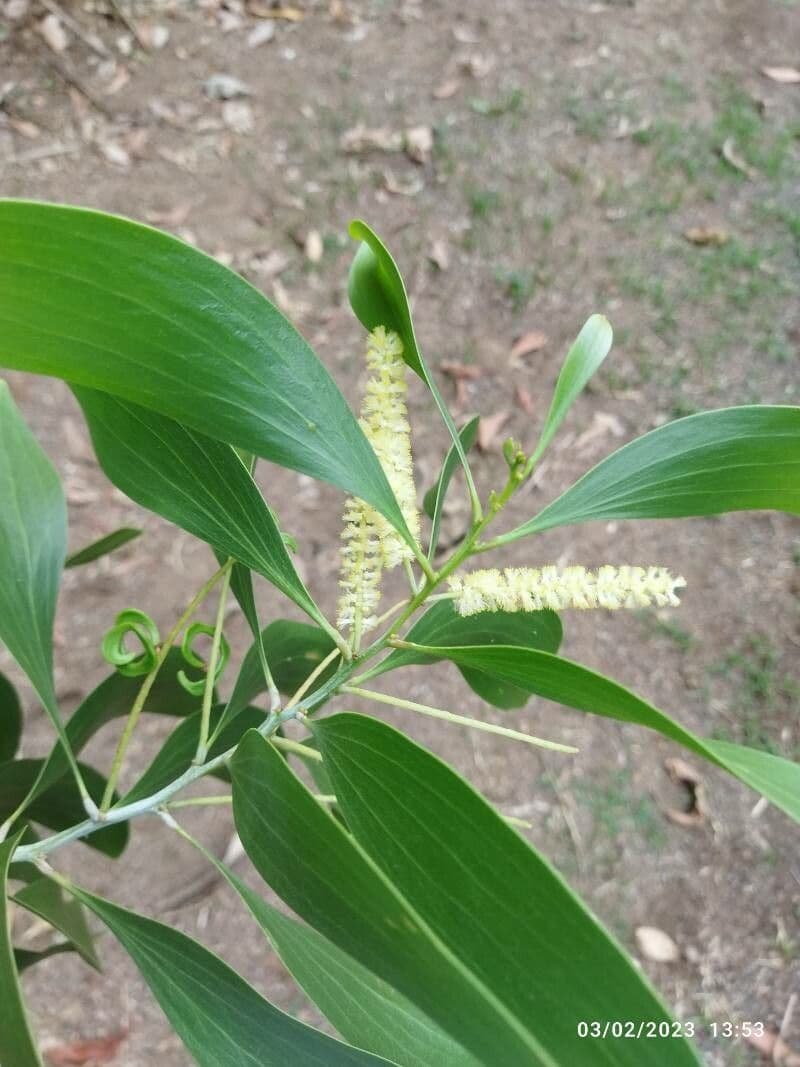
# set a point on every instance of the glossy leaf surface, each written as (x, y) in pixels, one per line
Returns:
(194, 481)
(110, 304)
(17, 1046)
(575, 686)
(50, 902)
(220, 1018)
(734, 459)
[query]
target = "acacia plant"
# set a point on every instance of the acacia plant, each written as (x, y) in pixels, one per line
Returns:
(426, 929)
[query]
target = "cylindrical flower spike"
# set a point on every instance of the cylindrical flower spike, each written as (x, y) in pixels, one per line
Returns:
(531, 589)
(384, 420)
(360, 572)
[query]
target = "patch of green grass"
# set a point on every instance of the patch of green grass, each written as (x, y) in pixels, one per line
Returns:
(620, 813)
(762, 145)
(667, 628)
(507, 104)
(518, 285)
(484, 202)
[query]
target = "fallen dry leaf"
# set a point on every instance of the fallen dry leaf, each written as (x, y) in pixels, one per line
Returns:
(733, 158)
(225, 87)
(656, 945)
(362, 139)
(684, 774)
(603, 423)
(489, 428)
(419, 143)
(52, 30)
(260, 10)
(118, 81)
(94, 1050)
(171, 217)
(313, 246)
(446, 89)
(461, 373)
(530, 342)
(25, 128)
(707, 235)
(411, 186)
(113, 152)
(439, 255)
(152, 36)
(784, 75)
(773, 1048)
(523, 399)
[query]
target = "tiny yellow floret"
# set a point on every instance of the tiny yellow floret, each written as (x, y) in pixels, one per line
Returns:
(360, 568)
(384, 420)
(559, 588)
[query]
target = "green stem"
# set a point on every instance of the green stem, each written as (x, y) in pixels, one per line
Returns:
(211, 670)
(304, 688)
(460, 720)
(287, 745)
(147, 685)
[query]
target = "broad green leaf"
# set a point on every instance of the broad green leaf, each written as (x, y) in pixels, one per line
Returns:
(59, 806)
(103, 546)
(442, 625)
(10, 719)
(435, 497)
(33, 536)
(365, 1010)
(178, 752)
(25, 957)
(321, 872)
(575, 686)
(490, 898)
(590, 349)
(110, 304)
(53, 904)
(293, 650)
(17, 1046)
(112, 699)
(221, 1019)
(378, 298)
(734, 459)
(194, 481)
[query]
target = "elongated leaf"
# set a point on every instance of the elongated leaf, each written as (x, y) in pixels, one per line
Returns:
(590, 349)
(575, 686)
(17, 1046)
(219, 1017)
(53, 904)
(113, 699)
(293, 649)
(489, 897)
(25, 957)
(435, 497)
(365, 1010)
(59, 806)
(442, 625)
(107, 303)
(33, 536)
(378, 298)
(177, 753)
(323, 874)
(103, 546)
(10, 719)
(194, 481)
(734, 459)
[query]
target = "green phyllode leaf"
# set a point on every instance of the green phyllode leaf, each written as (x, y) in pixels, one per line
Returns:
(575, 686)
(116, 306)
(10, 719)
(194, 481)
(17, 1046)
(435, 497)
(103, 546)
(442, 625)
(50, 902)
(733, 459)
(590, 349)
(378, 298)
(432, 892)
(220, 1018)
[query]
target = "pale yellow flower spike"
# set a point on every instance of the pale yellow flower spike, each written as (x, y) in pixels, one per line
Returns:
(360, 569)
(531, 589)
(384, 420)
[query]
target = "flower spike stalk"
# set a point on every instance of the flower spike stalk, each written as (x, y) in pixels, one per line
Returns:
(370, 543)
(559, 588)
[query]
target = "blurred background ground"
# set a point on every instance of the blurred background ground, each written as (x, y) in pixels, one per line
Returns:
(529, 163)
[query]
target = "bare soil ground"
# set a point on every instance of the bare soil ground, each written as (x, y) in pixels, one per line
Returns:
(572, 146)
